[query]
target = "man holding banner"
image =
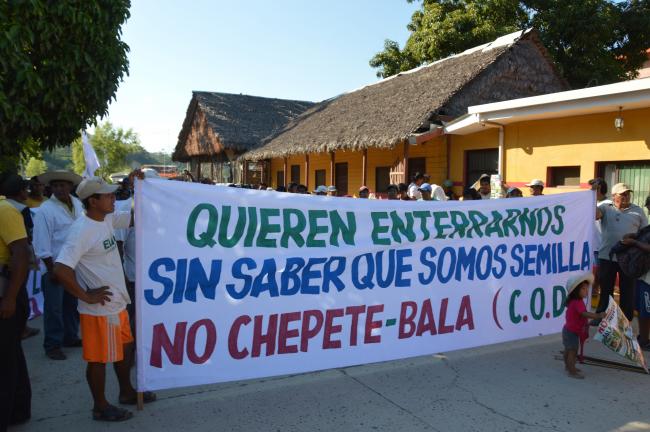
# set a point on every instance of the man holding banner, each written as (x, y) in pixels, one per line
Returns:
(89, 267)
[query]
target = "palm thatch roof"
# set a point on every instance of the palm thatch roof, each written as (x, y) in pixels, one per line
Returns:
(218, 121)
(388, 112)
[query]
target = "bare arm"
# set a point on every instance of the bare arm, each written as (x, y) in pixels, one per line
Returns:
(18, 273)
(592, 315)
(67, 278)
(599, 214)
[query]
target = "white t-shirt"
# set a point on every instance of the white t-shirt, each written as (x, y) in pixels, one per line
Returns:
(438, 193)
(414, 191)
(91, 250)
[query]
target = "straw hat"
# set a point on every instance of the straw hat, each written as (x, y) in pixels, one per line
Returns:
(576, 280)
(60, 175)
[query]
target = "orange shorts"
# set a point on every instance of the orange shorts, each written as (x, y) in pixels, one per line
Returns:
(104, 337)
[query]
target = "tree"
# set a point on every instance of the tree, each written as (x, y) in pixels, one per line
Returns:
(60, 65)
(35, 167)
(593, 42)
(112, 146)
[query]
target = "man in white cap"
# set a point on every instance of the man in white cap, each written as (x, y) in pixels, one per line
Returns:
(617, 218)
(89, 268)
(51, 225)
(536, 187)
(321, 190)
(331, 190)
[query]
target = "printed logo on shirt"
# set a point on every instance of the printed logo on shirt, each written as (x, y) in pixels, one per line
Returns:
(109, 244)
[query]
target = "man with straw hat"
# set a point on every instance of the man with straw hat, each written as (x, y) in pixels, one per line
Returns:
(51, 225)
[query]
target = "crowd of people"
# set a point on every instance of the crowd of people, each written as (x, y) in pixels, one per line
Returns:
(80, 231)
(420, 189)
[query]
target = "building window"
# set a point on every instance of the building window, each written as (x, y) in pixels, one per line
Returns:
(279, 178)
(479, 162)
(295, 174)
(563, 176)
(320, 177)
(382, 179)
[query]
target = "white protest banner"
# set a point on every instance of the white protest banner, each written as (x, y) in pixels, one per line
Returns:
(236, 283)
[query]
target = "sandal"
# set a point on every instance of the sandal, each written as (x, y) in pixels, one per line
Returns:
(112, 414)
(146, 397)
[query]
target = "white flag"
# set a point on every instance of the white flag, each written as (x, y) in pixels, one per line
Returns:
(92, 163)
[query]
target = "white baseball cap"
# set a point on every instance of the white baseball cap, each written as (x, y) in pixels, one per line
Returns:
(620, 188)
(92, 186)
(535, 182)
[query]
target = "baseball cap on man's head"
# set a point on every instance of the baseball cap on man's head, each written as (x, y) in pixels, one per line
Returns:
(620, 188)
(362, 188)
(535, 182)
(426, 187)
(484, 178)
(92, 186)
(331, 188)
(321, 189)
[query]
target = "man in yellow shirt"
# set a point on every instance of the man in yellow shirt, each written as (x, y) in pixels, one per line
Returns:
(15, 390)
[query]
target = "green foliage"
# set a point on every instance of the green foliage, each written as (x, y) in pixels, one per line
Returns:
(35, 167)
(60, 65)
(112, 146)
(593, 42)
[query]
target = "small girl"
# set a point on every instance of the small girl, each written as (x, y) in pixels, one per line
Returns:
(576, 329)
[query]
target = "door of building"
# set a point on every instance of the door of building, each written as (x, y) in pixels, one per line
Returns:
(341, 178)
(479, 162)
(416, 165)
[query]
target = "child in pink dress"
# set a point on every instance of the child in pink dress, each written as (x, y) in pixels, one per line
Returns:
(576, 329)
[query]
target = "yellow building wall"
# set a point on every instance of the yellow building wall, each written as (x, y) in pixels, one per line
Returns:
(277, 164)
(534, 146)
(435, 152)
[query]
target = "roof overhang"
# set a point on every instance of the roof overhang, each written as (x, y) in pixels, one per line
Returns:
(626, 95)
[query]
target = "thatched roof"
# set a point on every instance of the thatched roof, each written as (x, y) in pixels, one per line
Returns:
(387, 112)
(232, 121)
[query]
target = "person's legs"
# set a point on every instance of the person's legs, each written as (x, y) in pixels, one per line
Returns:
(15, 390)
(123, 373)
(23, 398)
(52, 314)
(626, 290)
(572, 357)
(607, 277)
(96, 377)
(643, 307)
(70, 318)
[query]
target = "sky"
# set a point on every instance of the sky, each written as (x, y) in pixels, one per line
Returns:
(289, 49)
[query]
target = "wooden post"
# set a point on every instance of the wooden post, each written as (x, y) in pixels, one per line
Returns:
(448, 150)
(286, 176)
(244, 174)
(307, 172)
(332, 174)
(364, 167)
(406, 162)
(140, 401)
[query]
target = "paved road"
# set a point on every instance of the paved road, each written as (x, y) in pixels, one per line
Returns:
(506, 387)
